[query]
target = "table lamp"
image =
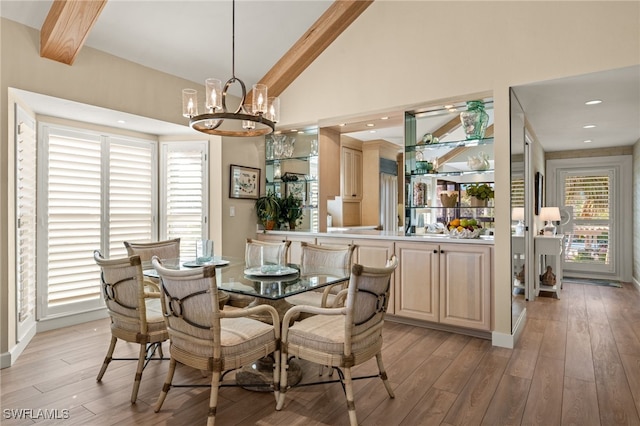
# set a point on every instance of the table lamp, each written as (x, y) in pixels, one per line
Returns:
(550, 214)
(517, 213)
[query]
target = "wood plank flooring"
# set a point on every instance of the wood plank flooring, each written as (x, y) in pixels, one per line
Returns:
(577, 362)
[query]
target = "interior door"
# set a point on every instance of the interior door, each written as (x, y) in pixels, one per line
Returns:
(599, 192)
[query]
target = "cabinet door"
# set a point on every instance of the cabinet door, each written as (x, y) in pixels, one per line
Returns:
(351, 175)
(465, 286)
(375, 253)
(417, 290)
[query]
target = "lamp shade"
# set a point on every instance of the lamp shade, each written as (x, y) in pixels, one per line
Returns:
(517, 213)
(550, 214)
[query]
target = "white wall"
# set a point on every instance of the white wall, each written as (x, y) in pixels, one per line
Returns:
(401, 53)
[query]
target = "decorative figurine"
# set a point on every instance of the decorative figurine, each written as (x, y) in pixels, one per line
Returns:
(548, 278)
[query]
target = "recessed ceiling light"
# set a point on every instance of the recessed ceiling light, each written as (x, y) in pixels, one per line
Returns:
(370, 124)
(589, 126)
(451, 109)
(593, 102)
(343, 124)
(588, 141)
(384, 118)
(121, 121)
(294, 130)
(301, 132)
(372, 131)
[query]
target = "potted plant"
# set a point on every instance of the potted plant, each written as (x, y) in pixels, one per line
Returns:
(291, 211)
(479, 193)
(268, 210)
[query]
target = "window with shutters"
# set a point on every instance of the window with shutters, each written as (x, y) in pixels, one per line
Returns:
(25, 221)
(184, 208)
(95, 191)
(590, 196)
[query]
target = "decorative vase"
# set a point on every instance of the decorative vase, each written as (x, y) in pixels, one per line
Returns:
(269, 225)
(477, 202)
(292, 225)
(479, 162)
(449, 200)
(474, 120)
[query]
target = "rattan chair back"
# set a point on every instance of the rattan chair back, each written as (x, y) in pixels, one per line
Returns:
(167, 249)
(275, 252)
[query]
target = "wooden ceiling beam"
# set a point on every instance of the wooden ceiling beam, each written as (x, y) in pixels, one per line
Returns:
(313, 42)
(66, 28)
(448, 127)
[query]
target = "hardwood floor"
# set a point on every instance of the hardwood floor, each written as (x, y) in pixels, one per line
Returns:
(577, 362)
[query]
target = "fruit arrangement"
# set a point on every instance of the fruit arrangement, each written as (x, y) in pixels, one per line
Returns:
(464, 228)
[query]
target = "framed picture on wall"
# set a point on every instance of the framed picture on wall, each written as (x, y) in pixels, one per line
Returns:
(244, 182)
(539, 194)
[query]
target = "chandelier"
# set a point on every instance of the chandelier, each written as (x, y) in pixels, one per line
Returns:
(257, 118)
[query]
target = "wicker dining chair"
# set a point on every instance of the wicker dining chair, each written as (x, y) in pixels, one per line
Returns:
(275, 252)
(342, 337)
(136, 315)
(318, 256)
(167, 249)
(207, 338)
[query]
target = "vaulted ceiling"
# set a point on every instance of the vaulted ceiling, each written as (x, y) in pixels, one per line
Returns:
(275, 41)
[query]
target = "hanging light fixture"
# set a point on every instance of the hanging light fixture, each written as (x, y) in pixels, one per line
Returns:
(257, 118)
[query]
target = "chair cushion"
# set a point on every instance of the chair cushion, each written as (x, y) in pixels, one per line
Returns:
(237, 337)
(155, 319)
(324, 333)
(313, 298)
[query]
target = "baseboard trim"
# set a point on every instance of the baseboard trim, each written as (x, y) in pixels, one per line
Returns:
(509, 341)
(46, 324)
(442, 327)
(8, 358)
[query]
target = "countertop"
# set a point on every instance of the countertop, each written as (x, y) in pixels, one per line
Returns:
(385, 235)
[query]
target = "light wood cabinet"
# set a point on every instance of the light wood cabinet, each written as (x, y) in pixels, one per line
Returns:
(465, 286)
(417, 292)
(351, 174)
(445, 283)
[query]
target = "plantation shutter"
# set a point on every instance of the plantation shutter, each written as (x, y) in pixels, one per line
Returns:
(517, 191)
(589, 195)
(183, 206)
(25, 221)
(132, 194)
(72, 193)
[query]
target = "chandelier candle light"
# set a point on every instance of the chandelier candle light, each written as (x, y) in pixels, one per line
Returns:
(257, 118)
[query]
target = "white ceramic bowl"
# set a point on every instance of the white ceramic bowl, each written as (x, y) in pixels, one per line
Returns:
(466, 233)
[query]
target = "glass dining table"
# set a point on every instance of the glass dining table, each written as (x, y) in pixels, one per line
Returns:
(269, 284)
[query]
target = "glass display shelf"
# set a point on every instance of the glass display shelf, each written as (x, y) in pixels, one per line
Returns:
(302, 158)
(449, 145)
(451, 173)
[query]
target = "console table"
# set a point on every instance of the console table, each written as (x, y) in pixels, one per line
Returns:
(546, 246)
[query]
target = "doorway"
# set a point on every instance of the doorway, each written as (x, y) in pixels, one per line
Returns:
(597, 233)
